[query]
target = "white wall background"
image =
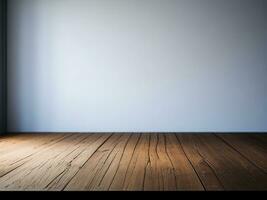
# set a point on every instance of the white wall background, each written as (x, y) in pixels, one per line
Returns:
(137, 65)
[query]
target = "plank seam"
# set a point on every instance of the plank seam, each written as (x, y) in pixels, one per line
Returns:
(64, 187)
(131, 161)
(173, 168)
(191, 163)
(124, 149)
(241, 154)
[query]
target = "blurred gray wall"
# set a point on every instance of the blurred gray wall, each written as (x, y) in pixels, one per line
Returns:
(2, 66)
(137, 65)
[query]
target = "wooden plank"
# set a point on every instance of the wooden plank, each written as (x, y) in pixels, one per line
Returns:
(160, 172)
(12, 160)
(86, 175)
(104, 176)
(87, 149)
(203, 169)
(232, 170)
(136, 172)
(186, 177)
(30, 173)
(153, 177)
(119, 178)
(252, 147)
(168, 168)
(45, 173)
(22, 142)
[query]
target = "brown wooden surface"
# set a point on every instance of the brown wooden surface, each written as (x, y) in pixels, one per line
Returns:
(133, 162)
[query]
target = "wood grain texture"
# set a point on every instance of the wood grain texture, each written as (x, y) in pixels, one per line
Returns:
(133, 162)
(252, 147)
(231, 169)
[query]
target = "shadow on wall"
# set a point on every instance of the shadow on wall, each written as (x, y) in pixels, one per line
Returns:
(32, 49)
(3, 105)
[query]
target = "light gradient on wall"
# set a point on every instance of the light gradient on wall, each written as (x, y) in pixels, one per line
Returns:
(130, 65)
